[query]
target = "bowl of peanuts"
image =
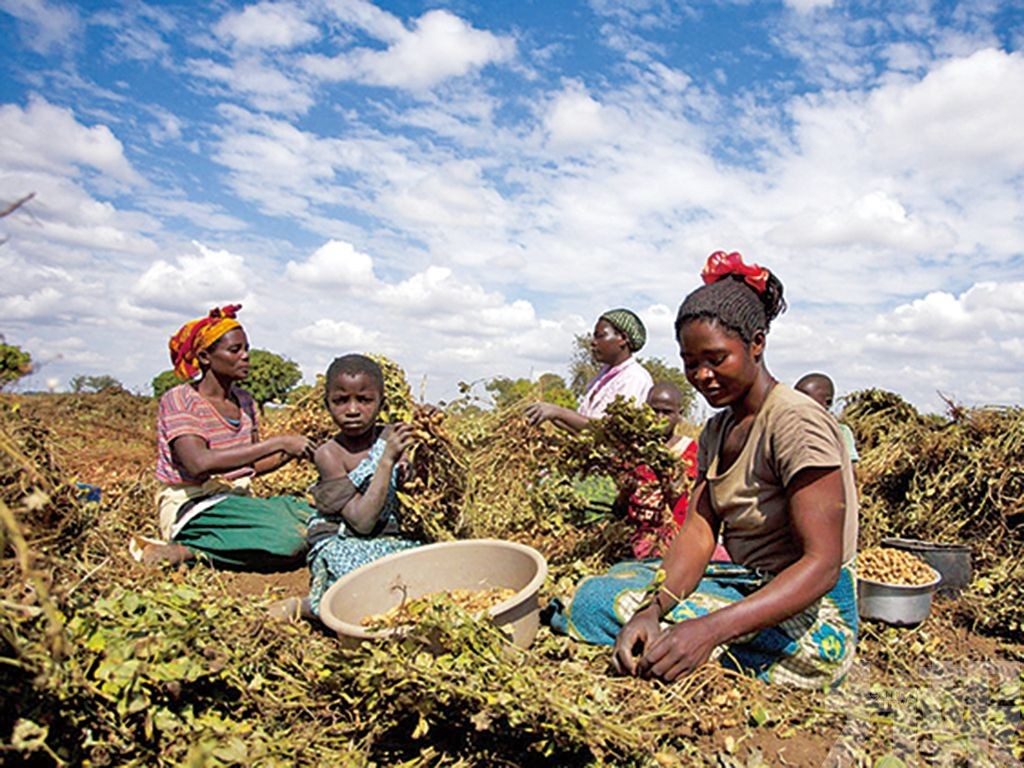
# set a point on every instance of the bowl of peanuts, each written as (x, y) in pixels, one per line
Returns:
(894, 586)
(489, 578)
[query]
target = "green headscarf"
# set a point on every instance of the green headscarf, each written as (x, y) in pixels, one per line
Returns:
(629, 325)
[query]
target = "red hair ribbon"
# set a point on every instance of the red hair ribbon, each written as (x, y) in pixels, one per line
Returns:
(720, 264)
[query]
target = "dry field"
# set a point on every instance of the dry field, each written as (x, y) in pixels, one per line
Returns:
(105, 662)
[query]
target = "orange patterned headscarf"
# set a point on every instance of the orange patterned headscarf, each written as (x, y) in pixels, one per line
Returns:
(197, 335)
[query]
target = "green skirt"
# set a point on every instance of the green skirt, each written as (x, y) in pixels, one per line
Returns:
(251, 534)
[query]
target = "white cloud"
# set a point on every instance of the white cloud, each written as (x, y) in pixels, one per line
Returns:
(448, 195)
(806, 6)
(33, 306)
(874, 219)
(957, 122)
(45, 26)
(439, 47)
(266, 25)
(575, 120)
(367, 17)
(27, 141)
(193, 282)
(341, 336)
(265, 87)
(964, 345)
(334, 264)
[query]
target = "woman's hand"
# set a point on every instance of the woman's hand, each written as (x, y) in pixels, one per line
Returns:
(538, 413)
(296, 446)
(563, 418)
(634, 639)
(679, 650)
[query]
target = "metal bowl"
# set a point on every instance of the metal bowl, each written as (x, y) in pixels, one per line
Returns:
(469, 564)
(952, 561)
(902, 605)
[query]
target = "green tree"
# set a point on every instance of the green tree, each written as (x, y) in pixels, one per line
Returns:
(661, 371)
(582, 370)
(102, 383)
(271, 377)
(14, 363)
(550, 387)
(163, 381)
(553, 390)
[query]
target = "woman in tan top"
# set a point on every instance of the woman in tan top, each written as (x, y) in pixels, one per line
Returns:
(774, 479)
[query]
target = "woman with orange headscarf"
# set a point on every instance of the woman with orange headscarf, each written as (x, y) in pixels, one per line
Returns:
(208, 450)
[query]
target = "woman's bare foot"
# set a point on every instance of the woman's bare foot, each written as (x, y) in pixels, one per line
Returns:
(172, 554)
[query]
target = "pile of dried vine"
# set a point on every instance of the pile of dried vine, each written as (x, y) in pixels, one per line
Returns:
(958, 479)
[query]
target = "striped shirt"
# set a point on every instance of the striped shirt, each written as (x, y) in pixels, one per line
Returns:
(183, 411)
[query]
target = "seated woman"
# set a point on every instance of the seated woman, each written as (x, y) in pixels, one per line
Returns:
(774, 477)
(618, 333)
(208, 450)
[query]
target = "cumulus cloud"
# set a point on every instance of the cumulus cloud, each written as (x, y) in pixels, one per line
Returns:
(874, 219)
(334, 264)
(440, 46)
(266, 25)
(966, 345)
(956, 122)
(473, 225)
(575, 119)
(340, 336)
(193, 281)
(27, 142)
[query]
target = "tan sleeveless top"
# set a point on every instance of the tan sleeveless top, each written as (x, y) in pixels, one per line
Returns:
(790, 433)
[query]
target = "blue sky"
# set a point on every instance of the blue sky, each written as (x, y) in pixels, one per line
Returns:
(465, 186)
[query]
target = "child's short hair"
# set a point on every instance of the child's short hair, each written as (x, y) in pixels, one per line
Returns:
(355, 364)
(734, 304)
(820, 379)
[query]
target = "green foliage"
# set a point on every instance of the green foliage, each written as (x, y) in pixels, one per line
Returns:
(164, 381)
(550, 388)
(102, 383)
(623, 439)
(271, 376)
(14, 363)
(299, 394)
(582, 368)
(663, 372)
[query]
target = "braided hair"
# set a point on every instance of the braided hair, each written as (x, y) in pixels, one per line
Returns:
(734, 304)
(352, 365)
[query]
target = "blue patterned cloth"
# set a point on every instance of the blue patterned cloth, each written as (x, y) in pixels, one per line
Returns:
(332, 558)
(812, 649)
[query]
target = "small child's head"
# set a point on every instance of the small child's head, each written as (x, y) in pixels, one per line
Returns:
(666, 401)
(818, 387)
(354, 393)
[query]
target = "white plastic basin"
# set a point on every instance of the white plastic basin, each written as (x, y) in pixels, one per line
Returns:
(474, 564)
